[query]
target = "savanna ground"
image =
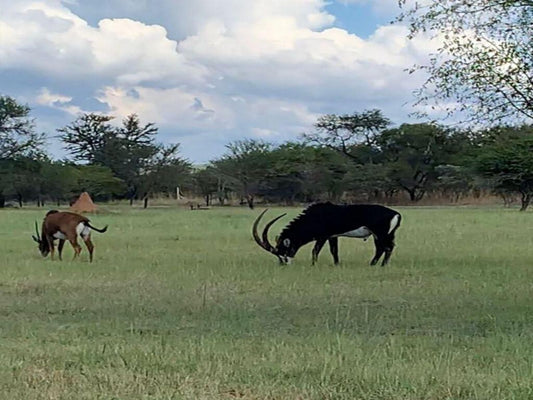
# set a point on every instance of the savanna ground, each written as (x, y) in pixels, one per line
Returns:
(184, 305)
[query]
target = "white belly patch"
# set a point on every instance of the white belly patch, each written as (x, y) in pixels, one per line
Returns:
(59, 235)
(362, 233)
(83, 230)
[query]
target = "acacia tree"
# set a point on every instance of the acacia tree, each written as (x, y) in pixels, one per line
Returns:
(483, 67)
(164, 172)
(17, 134)
(87, 137)
(17, 139)
(507, 163)
(246, 164)
(411, 153)
(129, 151)
(209, 182)
(353, 135)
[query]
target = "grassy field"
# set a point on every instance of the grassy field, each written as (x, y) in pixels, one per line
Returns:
(184, 305)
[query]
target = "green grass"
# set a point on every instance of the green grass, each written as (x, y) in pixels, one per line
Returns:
(184, 305)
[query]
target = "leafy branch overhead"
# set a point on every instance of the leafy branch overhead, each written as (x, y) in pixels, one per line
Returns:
(483, 67)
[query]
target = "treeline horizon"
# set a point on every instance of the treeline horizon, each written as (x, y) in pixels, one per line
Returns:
(348, 157)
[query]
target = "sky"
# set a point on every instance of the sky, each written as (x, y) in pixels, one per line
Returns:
(207, 72)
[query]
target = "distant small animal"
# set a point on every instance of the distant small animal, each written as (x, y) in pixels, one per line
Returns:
(64, 226)
(323, 222)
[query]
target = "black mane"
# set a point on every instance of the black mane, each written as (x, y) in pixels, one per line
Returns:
(308, 222)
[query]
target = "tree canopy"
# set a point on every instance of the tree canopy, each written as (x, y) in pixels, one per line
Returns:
(483, 67)
(17, 134)
(357, 157)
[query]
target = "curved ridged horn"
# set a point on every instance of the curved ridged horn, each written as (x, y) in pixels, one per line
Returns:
(265, 234)
(36, 238)
(254, 231)
(264, 243)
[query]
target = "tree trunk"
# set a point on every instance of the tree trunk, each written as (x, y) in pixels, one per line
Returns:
(526, 199)
(145, 201)
(412, 194)
(2, 201)
(250, 200)
(207, 198)
(19, 198)
(415, 194)
(131, 201)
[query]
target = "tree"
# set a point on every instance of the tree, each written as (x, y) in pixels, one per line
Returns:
(246, 164)
(99, 181)
(370, 181)
(411, 153)
(483, 67)
(455, 180)
(506, 161)
(129, 151)
(350, 134)
(88, 136)
(17, 140)
(19, 178)
(324, 174)
(164, 172)
(208, 182)
(17, 135)
(59, 180)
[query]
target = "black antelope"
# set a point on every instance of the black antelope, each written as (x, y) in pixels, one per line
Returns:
(327, 222)
(64, 226)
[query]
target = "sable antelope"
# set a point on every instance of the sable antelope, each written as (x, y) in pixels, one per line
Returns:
(323, 222)
(64, 225)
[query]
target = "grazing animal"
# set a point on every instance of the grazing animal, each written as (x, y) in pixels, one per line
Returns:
(323, 222)
(64, 226)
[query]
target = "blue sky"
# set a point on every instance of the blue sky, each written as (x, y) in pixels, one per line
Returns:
(361, 19)
(207, 72)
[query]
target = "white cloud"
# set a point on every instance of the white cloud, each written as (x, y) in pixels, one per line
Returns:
(266, 68)
(45, 97)
(57, 101)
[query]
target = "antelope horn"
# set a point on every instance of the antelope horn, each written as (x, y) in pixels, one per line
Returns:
(36, 238)
(264, 243)
(256, 235)
(265, 234)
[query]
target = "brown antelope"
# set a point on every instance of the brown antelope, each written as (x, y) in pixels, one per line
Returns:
(64, 226)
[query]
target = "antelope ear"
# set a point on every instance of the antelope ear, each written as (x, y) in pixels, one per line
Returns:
(287, 242)
(35, 239)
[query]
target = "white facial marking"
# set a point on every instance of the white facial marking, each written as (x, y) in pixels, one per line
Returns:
(83, 230)
(362, 233)
(286, 260)
(287, 242)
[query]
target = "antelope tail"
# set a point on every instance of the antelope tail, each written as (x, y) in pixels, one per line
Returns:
(96, 229)
(395, 222)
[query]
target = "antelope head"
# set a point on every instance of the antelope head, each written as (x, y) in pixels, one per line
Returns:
(43, 244)
(284, 251)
